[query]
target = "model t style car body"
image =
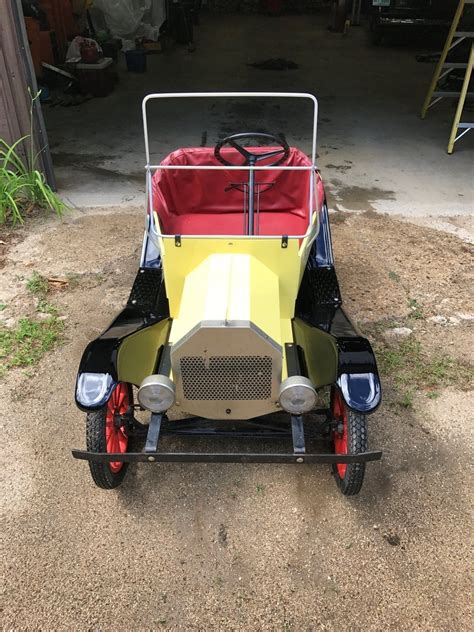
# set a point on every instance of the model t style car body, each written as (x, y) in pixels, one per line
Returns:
(234, 320)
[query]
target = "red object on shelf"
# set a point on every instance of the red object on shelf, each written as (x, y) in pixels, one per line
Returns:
(68, 20)
(55, 12)
(89, 53)
(34, 40)
(46, 47)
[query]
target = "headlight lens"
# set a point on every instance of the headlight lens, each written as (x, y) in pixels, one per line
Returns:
(157, 393)
(297, 395)
(94, 389)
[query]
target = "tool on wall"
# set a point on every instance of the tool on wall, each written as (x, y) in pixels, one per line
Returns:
(444, 68)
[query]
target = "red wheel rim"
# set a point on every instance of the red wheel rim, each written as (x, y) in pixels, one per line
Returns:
(339, 414)
(115, 438)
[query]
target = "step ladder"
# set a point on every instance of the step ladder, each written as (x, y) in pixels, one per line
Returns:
(443, 68)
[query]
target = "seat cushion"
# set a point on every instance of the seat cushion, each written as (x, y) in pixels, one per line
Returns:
(233, 224)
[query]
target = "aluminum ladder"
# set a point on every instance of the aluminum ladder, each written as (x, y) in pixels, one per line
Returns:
(443, 68)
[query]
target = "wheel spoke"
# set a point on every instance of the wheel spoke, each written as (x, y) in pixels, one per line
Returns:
(114, 398)
(340, 439)
(269, 154)
(115, 438)
(246, 154)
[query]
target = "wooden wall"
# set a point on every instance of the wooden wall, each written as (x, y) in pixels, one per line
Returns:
(16, 75)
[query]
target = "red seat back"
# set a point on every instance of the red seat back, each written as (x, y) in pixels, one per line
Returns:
(205, 194)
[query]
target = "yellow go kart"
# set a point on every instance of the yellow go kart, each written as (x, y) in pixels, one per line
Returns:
(234, 326)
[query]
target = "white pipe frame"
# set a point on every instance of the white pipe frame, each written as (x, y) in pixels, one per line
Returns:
(214, 95)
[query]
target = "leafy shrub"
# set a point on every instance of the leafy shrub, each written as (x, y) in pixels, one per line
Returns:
(22, 187)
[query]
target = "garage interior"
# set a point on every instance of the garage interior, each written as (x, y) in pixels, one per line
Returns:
(374, 151)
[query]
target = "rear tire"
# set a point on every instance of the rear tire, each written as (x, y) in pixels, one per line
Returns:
(103, 436)
(351, 438)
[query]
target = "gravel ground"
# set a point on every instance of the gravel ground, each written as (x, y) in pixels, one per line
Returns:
(260, 547)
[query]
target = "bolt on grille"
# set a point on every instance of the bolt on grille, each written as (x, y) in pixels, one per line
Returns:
(226, 377)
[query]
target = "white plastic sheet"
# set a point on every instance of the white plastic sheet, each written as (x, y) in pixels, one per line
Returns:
(129, 19)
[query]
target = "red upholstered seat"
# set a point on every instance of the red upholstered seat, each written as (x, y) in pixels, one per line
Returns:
(233, 224)
(199, 202)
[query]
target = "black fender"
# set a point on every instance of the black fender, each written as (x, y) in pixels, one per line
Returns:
(358, 377)
(319, 304)
(98, 370)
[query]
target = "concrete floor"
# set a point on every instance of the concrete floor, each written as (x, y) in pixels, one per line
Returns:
(374, 151)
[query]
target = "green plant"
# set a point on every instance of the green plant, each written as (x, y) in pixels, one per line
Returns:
(46, 308)
(37, 284)
(26, 344)
(412, 367)
(416, 309)
(407, 400)
(22, 186)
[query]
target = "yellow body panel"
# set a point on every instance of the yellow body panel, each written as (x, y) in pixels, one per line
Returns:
(286, 263)
(138, 352)
(321, 353)
(229, 287)
(235, 279)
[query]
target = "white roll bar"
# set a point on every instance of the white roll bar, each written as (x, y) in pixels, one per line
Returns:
(217, 95)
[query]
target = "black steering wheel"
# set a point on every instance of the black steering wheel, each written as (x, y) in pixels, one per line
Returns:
(251, 158)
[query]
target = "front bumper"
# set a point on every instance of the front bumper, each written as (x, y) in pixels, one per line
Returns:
(223, 457)
(267, 428)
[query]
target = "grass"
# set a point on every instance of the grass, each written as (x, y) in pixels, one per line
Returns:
(37, 284)
(406, 400)
(22, 186)
(416, 310)
(412, 368)
(27, 343)
(46, 308)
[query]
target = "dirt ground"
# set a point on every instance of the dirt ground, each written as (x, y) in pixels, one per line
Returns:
(259, 547)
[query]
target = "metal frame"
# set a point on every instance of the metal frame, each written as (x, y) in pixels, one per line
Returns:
(261, 429)
(151, 229)
(457, 123)
(444, 68)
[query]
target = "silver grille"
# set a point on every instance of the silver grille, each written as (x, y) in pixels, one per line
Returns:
(226, 377)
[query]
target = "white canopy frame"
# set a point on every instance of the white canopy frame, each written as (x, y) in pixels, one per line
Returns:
(153, 230)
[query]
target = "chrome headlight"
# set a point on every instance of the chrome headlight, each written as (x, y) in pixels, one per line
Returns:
(157, 393)
(297, 395)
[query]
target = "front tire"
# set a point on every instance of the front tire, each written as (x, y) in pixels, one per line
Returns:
(349, 437)
(103, 434)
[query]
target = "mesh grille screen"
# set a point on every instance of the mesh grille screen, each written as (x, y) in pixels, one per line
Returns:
(227, 377)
